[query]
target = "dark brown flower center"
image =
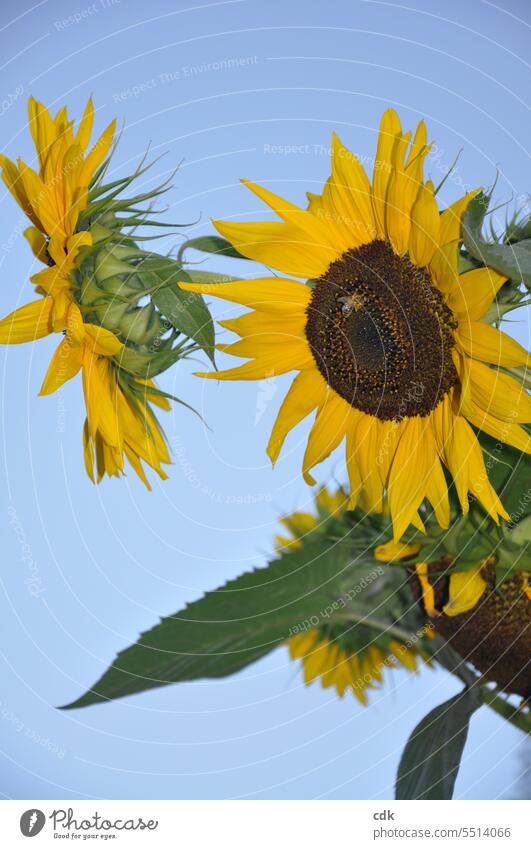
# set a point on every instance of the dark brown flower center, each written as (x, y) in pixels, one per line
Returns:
(381, 334)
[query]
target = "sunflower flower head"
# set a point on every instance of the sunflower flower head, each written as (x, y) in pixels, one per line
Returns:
(354, 662)
(391, 353)
(99, 289)
(354, 655)
(487, 621)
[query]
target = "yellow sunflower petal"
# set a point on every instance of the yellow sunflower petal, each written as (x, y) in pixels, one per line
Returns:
(498, 394)
(465, 591)
(452, 217)
(424, 237)
(305, 394)
(507, 432)
(64, 365)
(30, 322)
(437, 495)
(428, 594)
(474, 293)
(37, 243)
(103, 341)
(389, 551)
(268, 294)
(259, 324)
(84, 131)
(352, 193)
(267, 364)
(300, 218)
(389, 129)
(487, 343)
(368, 442)
(327, 432)
(281, 246)
(97, 154)
(410, 471)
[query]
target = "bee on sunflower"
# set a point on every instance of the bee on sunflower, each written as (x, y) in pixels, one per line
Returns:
(94, 275)
(387, 337)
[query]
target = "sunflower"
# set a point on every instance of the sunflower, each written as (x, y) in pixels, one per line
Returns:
(387, 339)
(486, 620)
(120, 421)
(54, 195)
(354, 659)
(337, 663)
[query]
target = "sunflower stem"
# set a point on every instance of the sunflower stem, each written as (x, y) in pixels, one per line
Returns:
(512, 714)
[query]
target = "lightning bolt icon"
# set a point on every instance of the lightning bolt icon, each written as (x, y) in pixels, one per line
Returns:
(32, 821)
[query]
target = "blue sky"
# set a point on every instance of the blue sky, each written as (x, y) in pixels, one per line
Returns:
(225, 90)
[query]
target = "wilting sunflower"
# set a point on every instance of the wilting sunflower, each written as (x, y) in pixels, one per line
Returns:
(351, 662)
(352, 659)
(388, 340)
(88, 291)
(486, 620)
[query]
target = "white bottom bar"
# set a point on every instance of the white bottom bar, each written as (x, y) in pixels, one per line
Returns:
(265, 824)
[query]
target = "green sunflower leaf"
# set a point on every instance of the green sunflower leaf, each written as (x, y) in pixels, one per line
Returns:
(186, 311)
(211, 245)
(430, 762)
(512, 259)
(243, 620)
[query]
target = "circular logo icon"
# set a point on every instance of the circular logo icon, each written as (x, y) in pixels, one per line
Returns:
(32, 822)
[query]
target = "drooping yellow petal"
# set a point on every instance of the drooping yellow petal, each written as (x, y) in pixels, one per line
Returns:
(464, 458)
(65, 364)
(499, 394)
(30, 322)
(367, 444)
(428, 595)
(508, 432)
(474, 293)
(103, 341)
(437, 495)
(484, 342)
(88, 452)
(305, 394)
(328, 430)
(37, 243)
(465, 591)
(389, 551)
(410, 471)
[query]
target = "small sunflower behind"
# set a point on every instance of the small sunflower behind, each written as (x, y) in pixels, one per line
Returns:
(389, 344)
(93, 277)
(352, 658)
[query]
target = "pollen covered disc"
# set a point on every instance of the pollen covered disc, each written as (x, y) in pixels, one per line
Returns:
(381, 334)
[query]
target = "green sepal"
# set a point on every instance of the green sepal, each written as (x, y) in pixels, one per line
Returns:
(148, 364)
(186, 311)
(512, 259)
(211, 245)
